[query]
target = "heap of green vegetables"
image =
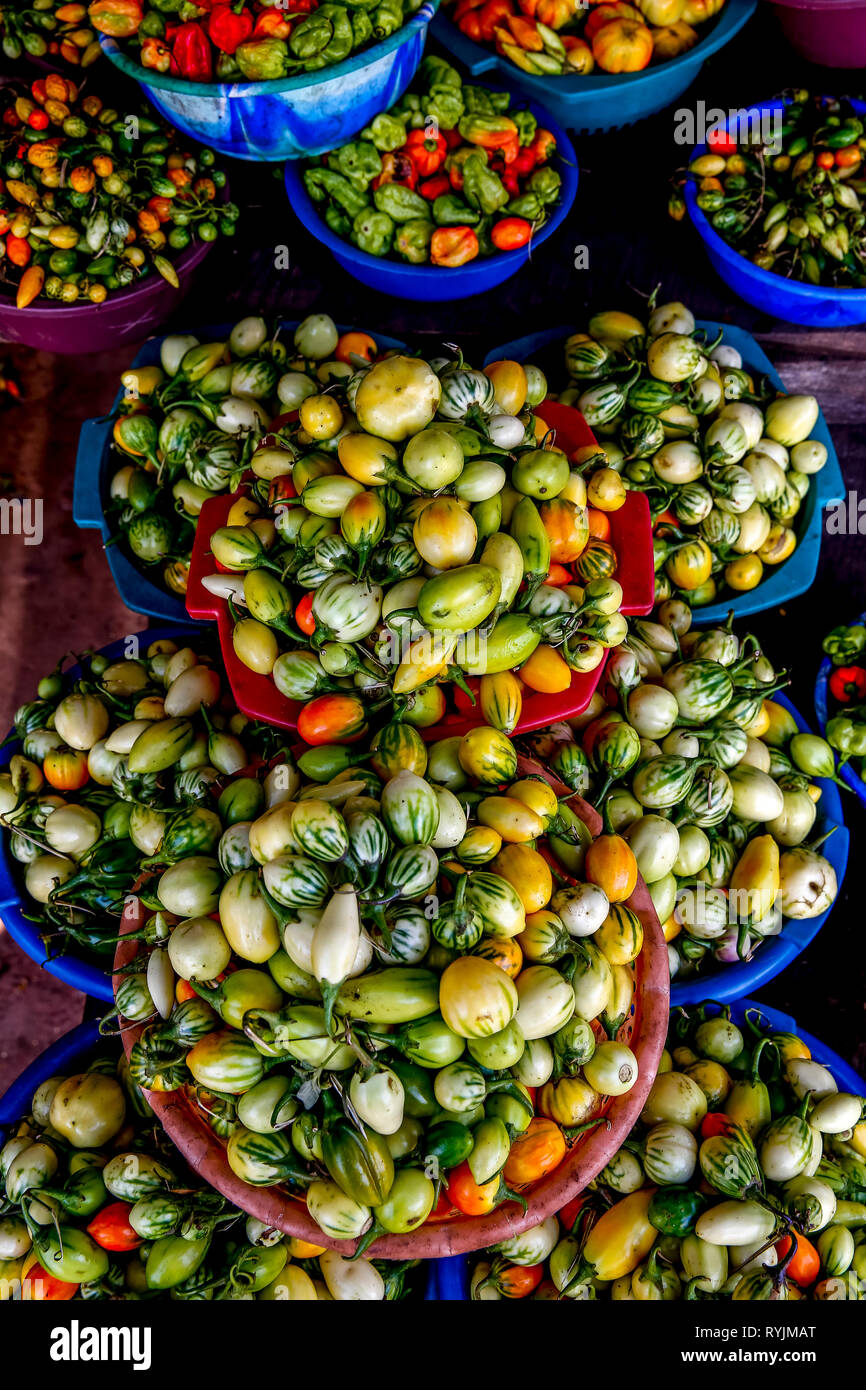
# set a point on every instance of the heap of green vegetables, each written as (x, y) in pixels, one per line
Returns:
(125, 759)
(96, 1205)
(744, 1180)
(725, 461)
(711, 783)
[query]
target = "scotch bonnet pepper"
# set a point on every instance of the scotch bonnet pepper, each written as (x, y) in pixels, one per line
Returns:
(458, 163)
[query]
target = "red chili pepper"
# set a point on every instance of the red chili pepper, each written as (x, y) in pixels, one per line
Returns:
(191, 53)
(716, 1123)
(38, 120)
(272, 24)
(427, 152)
(826, 159)
(510, 182)
(304, 615)
(229, 27)
(543, 145)
(848, 683)
(510, 233)
(721, 142)
(110, 1228)
(435, 187)
(525, 161)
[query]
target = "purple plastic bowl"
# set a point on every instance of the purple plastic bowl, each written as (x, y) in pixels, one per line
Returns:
(126, 316)
(831, 33)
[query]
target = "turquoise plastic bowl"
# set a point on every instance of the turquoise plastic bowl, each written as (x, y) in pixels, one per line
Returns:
(449, 1281)
(602, 101)
(822, 712)
(817, 306)
(796, 574)
(432, 283)
(289, 117)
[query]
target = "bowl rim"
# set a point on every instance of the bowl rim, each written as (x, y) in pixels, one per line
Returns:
(733, 15)
(781, 284)
(307, 214)
(222, 91)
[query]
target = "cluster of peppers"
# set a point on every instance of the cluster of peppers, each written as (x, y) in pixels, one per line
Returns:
(214, 41)
(745, 1179)
(846, 731)
(48, 29)
(452, 172)
(711, 783)
(96, 1205)
(85, 809)
(552, 38)
(93, 199)
(408, 971)
(725, 462)
(791, 199)
(191, 424)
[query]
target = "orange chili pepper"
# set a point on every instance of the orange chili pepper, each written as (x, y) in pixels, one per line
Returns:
(453, 246)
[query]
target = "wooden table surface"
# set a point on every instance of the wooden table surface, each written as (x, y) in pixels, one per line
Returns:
(59, 597)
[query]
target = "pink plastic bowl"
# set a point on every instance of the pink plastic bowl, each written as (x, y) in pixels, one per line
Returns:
(829, 32)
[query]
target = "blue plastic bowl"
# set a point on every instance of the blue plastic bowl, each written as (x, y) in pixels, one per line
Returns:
(449, 1278)
(94, 465)
(797, 574)
(289, 117)
(814, 305)
(822, 711)
(80, 971)
(602, 101)
(430, 282)
(731, 981)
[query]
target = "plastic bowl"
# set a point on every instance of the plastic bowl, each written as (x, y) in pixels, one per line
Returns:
(293, 116)
(602, 101)
(831, 33)
(449, 1279)
(94, 465)
(795, 575)
(644, 1030)
(126, 315)
(439, 283)
(81, 971)
(817, 306)
(777, 952)
(258, 697)
(823, 713)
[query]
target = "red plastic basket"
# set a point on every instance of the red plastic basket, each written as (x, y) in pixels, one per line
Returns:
(257, 696)
(644, 1031)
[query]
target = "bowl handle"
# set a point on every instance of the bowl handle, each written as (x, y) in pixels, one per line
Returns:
(86, 500)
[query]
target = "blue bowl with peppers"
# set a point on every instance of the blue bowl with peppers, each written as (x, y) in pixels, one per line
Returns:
(816, 306)
(449, 1278)
(290, 117)
(86, 972)
(823, 695)
(437, 283)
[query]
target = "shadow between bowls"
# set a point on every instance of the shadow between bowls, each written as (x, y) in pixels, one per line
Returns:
(430, 283)
(816, 306)
(645, 1030)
